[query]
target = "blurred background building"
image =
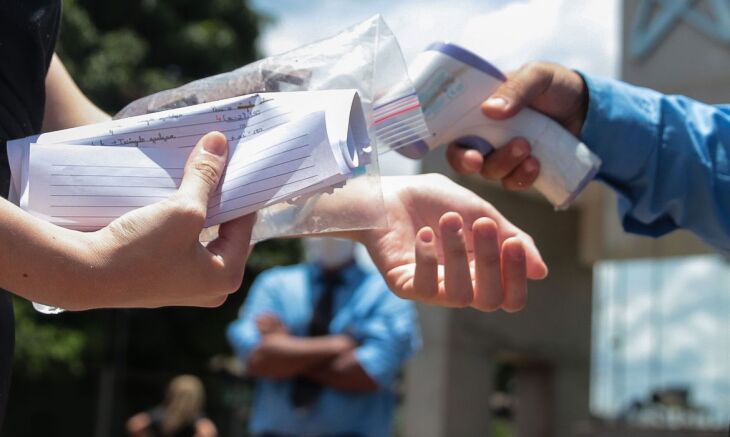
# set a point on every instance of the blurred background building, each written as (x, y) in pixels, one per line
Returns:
(628, 336)
(647, 329)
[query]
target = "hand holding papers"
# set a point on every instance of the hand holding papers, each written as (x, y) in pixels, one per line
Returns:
(149, 257)
(283, 146)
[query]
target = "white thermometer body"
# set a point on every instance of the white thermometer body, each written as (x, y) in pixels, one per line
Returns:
(451, 84)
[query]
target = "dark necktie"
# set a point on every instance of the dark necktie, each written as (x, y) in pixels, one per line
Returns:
(305, 391)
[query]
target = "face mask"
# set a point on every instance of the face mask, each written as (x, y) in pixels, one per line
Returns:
(329, 253)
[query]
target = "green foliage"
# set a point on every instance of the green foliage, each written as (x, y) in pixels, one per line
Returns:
(60, 359)
(45, 347)
(274, 253)
(502, 428)
(119, 51)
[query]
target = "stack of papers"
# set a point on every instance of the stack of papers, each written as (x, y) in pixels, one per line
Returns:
(282, 146)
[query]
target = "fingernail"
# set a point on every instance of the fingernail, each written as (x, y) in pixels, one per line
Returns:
(426, 237)
(453, 225)
(214, 143)
(519, 150)
(497, 102)
(486, 232)
(530, 166)
(472, 162)
(516, 252)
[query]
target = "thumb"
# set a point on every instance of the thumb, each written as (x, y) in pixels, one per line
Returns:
(521, 89)
(237, 233)
(233, 244)
(203, 169)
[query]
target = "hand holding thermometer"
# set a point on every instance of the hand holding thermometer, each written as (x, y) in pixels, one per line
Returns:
(451, 84)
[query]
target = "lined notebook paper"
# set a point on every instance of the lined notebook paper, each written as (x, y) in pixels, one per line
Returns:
(283, 146)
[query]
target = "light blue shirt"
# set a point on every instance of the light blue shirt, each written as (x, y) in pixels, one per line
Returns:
(384, 325)
(666, 156)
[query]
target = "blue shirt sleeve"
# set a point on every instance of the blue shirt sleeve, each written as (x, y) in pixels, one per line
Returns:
(665, 156)
(243, 335)
(388, 338)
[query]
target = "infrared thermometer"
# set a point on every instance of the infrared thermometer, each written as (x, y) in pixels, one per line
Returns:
(452, 82)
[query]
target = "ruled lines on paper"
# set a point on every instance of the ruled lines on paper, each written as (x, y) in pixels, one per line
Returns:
(86, 187)
(282, 146)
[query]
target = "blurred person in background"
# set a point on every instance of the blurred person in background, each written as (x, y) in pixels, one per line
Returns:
(179, 415)
(667, 157)
(326, 341)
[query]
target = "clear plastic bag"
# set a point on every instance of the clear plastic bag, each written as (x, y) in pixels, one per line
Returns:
(365, 57)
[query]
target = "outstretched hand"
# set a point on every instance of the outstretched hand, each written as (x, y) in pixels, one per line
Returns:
(151, 256)
(445, 245)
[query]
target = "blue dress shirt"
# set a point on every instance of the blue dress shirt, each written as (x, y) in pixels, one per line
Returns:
(666, 157)
(384, 326)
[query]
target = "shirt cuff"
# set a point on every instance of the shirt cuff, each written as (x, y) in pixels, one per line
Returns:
(622, 127)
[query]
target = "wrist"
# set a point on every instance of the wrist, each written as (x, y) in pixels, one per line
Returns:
(578, 88)
(357, 236)
(88, 281)
(66, 274)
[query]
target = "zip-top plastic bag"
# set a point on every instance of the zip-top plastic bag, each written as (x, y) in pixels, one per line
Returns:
(365, 57)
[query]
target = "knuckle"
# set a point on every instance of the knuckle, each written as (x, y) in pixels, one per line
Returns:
(125, 227)
(532, 78)
(190, 211)
(119, 229)
(515, 89)
(232, 282)
(207, 170)
(540, 69)
(536, 66)
(216, 301)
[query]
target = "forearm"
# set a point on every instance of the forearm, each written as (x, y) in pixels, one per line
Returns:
(286, 356)
(343, 373)
(66, 105)
(666, 156)
(42, 262)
